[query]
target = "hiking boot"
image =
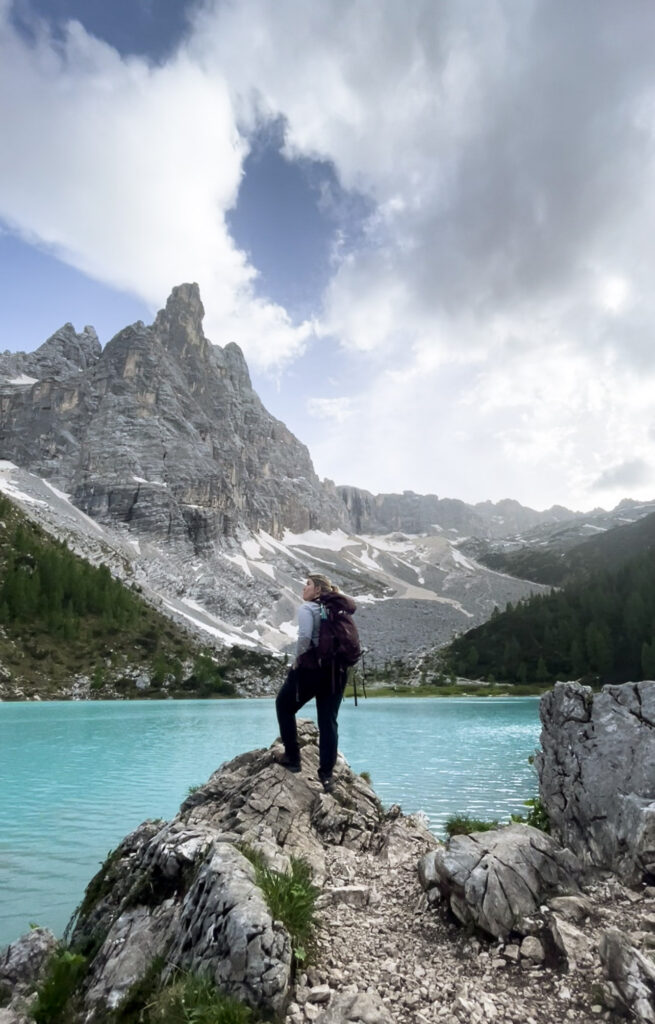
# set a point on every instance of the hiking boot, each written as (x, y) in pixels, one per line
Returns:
(288, 763)
(327, 781)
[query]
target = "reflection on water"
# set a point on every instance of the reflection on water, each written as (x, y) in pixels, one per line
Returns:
(76, 777)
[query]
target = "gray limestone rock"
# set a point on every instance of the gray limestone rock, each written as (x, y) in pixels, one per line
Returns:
(23, 962)
(575, 909)
(23, 966)
(421, 513)
(189, 898)
(225, 930)
(570, 941)
(64, 354)
(597, 774)
(494, 879)
(532, 949)
(261, 801)
(10, 1016)
(355, 1008)
(135, 939)
(630, 976)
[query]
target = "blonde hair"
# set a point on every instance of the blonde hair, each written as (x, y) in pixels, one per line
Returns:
(323, 583)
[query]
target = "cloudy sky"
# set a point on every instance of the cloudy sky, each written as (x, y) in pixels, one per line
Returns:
(430, 226)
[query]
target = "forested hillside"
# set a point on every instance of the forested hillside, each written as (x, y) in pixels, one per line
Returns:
(68, 628)
(601, 627)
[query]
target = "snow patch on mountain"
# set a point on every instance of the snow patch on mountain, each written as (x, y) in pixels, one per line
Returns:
(337, 540)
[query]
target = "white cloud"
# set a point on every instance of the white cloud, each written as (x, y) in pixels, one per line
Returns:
(126, 171)
(336, 410)
(505, 273)
(627, 474)
(500, 298)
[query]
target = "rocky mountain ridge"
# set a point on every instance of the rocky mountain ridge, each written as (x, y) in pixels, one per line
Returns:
(162, 429)
(424, 513)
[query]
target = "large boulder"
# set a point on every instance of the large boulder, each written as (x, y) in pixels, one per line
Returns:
(630, 984)
(23, 962)
(495, 879)
(597, 774)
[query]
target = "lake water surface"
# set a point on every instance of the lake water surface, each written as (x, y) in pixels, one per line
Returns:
(76, 777)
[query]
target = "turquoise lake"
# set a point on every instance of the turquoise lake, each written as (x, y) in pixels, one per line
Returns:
(76, 777)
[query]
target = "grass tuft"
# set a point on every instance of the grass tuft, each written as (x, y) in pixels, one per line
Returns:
(193, 1000)
(64, 973)
(463, 825)
(290, 897)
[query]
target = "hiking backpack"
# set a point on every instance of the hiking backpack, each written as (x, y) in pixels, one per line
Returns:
(338, 639)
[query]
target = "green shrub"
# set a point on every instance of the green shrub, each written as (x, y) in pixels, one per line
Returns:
(463, 825)
(64, 973)
(537, 815)
(208, 678)
(193, 1000)
(98, 678)
(290, 897)
(366, 776)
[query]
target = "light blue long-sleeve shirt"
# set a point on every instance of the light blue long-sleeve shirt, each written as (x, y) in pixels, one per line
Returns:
(309, 622)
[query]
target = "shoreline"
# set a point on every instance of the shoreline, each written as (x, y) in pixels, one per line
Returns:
(386, 694)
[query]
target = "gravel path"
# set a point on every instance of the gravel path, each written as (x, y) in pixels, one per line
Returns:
(378, 935)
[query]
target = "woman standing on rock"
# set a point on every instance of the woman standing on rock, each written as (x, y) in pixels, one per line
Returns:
(310, 677)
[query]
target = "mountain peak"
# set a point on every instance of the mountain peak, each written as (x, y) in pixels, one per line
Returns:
(66, 352)
(179, 325)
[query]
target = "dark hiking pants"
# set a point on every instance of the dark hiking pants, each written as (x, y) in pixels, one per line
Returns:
(300, 686)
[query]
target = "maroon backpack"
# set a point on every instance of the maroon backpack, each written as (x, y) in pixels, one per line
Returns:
(338, 639)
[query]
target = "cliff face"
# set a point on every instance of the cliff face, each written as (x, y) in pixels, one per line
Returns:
(409, 513)
(161, 430)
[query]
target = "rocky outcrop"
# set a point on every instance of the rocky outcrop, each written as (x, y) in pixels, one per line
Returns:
(161, 430)
(597, 774)
(187, 891)
(496, 879)
(22, 968)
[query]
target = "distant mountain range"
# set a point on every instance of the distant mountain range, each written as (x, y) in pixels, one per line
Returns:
(575, 549)
(155, 455)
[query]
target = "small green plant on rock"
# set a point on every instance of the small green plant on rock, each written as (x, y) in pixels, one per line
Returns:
(463, 825)
(64, 973)
(366, 776)
(193, 1000)
(290, 897)
(537, 815)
